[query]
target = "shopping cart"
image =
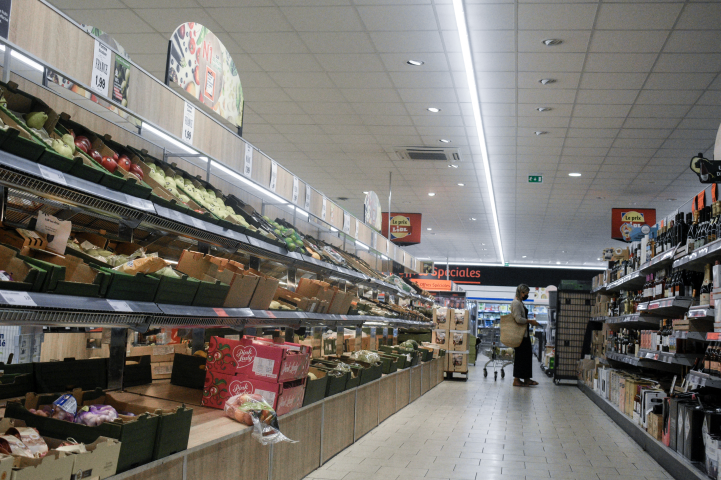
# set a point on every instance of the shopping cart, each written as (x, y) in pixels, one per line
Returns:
(499, 356)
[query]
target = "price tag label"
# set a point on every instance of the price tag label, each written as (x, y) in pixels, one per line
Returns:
(220, 312)
(296, 188)
(307, 197)
(100, 76)
(346, 222)
(653, 305)
(248, 165)
(323, 208)
(18, 298)
(52, 175)
(273, 175)
(715, 336)
(119, 306)
(188, 123)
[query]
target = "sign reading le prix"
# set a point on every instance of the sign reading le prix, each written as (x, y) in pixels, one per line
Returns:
(624, 220)
(405, 228)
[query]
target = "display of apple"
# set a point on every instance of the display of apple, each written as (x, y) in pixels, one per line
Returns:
(96, 156)
(137, 171)
(85, 141)
(115, 156)
(124, 163)
(109, 164)
(80, 145)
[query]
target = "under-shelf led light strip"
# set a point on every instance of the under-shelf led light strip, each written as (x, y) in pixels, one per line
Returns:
(24, 59)
(521, 265)
(475, 103)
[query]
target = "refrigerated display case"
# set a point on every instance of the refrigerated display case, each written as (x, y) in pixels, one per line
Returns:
(489, 313)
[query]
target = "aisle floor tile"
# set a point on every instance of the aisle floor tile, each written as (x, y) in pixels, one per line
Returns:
(486, 430)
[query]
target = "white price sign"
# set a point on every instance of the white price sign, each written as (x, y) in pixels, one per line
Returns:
(296, 188)
(248, 167)
(323, 209)
(188, 123)
(346, 223)
(119, 306)
(273, 175)
(18, 298)
(52, 175)
(100, 78)
(307, 198)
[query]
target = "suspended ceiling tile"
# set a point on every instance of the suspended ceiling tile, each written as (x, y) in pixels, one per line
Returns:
(401, 41)
(555, 16)
(612, 41)
(686, 62)
(637, 16)
(573, 41)
(561, 62)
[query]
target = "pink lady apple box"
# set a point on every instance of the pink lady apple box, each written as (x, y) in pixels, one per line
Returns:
(284, 397)
(259, 358)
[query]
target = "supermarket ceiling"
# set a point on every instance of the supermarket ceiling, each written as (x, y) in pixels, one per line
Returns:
(330, 95)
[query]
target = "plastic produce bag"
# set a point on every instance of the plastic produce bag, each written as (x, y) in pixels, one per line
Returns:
(366, 356)
(252, 410)
(343, 367)
(95, 415)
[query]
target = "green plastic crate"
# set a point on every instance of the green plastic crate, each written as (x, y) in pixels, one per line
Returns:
(177, 291)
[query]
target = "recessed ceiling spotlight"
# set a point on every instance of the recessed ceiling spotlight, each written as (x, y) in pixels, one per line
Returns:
(365, 193)
(574, 174)
(431, 194)
(544, 109)
(671, 199)
(546, 81)
(433, 109)
(599, 198)
(540, 133)
(415, 63)
(524, 256)
(454, 166)
(558, 263)
(551, 42)
(429, 229)
(473, 220)
(444, 140)
(461, 184)
(599, 259)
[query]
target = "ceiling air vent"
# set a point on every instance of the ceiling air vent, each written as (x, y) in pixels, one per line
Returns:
(428, 153)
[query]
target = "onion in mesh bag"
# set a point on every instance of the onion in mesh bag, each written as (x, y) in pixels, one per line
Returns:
(366, 356)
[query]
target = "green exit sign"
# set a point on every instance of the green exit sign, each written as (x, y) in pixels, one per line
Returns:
(535, 179)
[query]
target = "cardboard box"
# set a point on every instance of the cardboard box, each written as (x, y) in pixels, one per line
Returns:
(284, 397)
(243, 284)
(53, 466)
(161, 370)
(441, 317)
(458, 361)
(159, 353)
(341, 302)
(264, 292)
(20, 238)
(655, 425)
(458, 340)
(293, 299)
(460, 319)
(441, 338)
(99, 462)
(25, 276)
(259, 358)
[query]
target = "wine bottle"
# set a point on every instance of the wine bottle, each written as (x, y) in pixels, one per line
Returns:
(691, 237)
(706, 286)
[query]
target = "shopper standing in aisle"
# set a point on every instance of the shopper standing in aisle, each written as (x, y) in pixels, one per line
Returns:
(522, 366)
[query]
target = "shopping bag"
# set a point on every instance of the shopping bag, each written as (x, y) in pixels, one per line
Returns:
(511, 332)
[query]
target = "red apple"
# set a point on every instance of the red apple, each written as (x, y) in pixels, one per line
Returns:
(80, 145)
(124, 163)
(85, 142)
(109, 164)
(137, 171)
(96, 156)
(115, 156)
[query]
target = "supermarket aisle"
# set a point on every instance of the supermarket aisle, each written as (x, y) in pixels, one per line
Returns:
(490, 430)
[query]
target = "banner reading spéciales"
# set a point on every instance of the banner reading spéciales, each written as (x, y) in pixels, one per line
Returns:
(199, 62)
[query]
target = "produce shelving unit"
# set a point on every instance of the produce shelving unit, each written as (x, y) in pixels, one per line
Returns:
(324, 427)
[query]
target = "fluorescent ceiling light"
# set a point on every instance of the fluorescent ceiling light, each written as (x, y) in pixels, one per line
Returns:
(362, 245)
(250, 183)
(169, 139)
(574, 174)
(461, 184)
(475, 103)
(568, 267)
(24, 59)
(431, 194)
(429, 229)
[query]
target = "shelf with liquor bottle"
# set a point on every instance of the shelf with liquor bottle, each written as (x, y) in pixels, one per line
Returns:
(702, 312)
(635, 361)
(707, 371)
(685, 359)
(703, 240)
(635, 279)
(635, 320)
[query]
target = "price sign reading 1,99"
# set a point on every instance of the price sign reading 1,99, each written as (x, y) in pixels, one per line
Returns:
(101, 69)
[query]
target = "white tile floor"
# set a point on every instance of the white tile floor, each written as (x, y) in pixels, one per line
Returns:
(489, 430)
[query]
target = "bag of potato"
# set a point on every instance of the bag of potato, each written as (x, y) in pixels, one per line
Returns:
(145, 265)
(251, 409)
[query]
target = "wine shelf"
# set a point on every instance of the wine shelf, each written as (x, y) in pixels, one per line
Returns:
(635, 279)
(635, 320)
(703, 379)
(643, 362)
(674, 307)
(659, 262)
(683, 335)
(685, 359)
(699, 258)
